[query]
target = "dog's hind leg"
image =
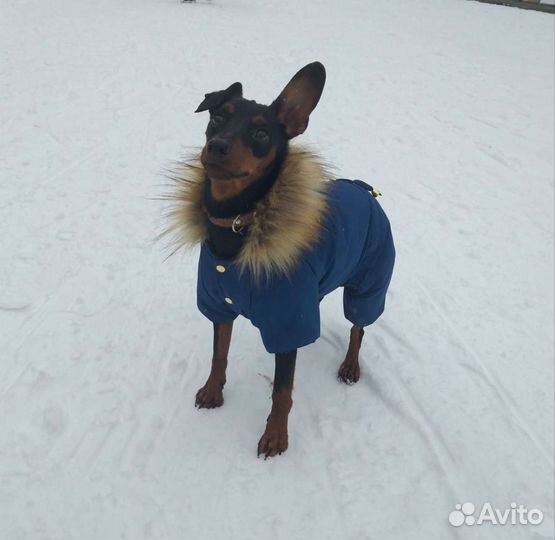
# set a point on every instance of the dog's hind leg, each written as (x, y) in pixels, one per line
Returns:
(275, 439)
(349, 370)
(211, 394)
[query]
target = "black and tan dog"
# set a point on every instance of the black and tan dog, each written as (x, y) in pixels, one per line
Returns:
(276, 236)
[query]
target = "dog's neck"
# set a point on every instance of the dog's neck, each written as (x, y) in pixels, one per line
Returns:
(225, 243)
(289, 219)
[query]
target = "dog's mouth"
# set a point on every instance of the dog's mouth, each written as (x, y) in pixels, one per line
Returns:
(216, 172)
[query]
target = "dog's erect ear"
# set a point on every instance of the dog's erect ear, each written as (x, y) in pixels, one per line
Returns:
(215, 99)
(299, 98)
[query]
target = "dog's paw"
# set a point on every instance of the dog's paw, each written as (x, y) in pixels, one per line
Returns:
(210, 396)
(274, 441)
(349, 372)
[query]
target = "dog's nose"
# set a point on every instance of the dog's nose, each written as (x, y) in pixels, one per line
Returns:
(218, 148)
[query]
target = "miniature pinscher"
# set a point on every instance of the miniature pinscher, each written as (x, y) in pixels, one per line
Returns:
(277, 236)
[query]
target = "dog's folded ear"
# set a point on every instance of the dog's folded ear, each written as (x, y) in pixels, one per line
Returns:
(215, 99)
(299, 98)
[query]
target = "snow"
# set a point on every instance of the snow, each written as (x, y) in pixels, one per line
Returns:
(444, 105)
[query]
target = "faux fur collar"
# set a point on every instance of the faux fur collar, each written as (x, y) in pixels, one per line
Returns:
(288, 220)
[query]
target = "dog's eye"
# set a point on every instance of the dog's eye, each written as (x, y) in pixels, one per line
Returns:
(261, 135)
(217, 119)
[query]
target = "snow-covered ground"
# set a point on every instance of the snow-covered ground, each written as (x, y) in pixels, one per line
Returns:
(445, 105)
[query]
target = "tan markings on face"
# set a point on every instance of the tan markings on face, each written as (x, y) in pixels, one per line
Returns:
(241, 160)
(229, 108)
(259, 120)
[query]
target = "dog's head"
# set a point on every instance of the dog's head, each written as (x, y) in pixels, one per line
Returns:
(244, 138)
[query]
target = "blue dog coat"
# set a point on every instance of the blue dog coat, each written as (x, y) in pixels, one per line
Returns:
(355, 251)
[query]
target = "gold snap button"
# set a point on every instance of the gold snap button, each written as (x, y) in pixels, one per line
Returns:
(220, 268)
(228, 300)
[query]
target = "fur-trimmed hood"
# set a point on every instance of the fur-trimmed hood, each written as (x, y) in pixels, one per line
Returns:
(288, 220)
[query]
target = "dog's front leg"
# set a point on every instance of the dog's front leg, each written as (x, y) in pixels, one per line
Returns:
(349, 370)
(274, 441)
(211, 394)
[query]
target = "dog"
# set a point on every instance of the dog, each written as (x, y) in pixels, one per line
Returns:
(276, 236)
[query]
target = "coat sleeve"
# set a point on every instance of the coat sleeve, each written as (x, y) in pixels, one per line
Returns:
(287, 312)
